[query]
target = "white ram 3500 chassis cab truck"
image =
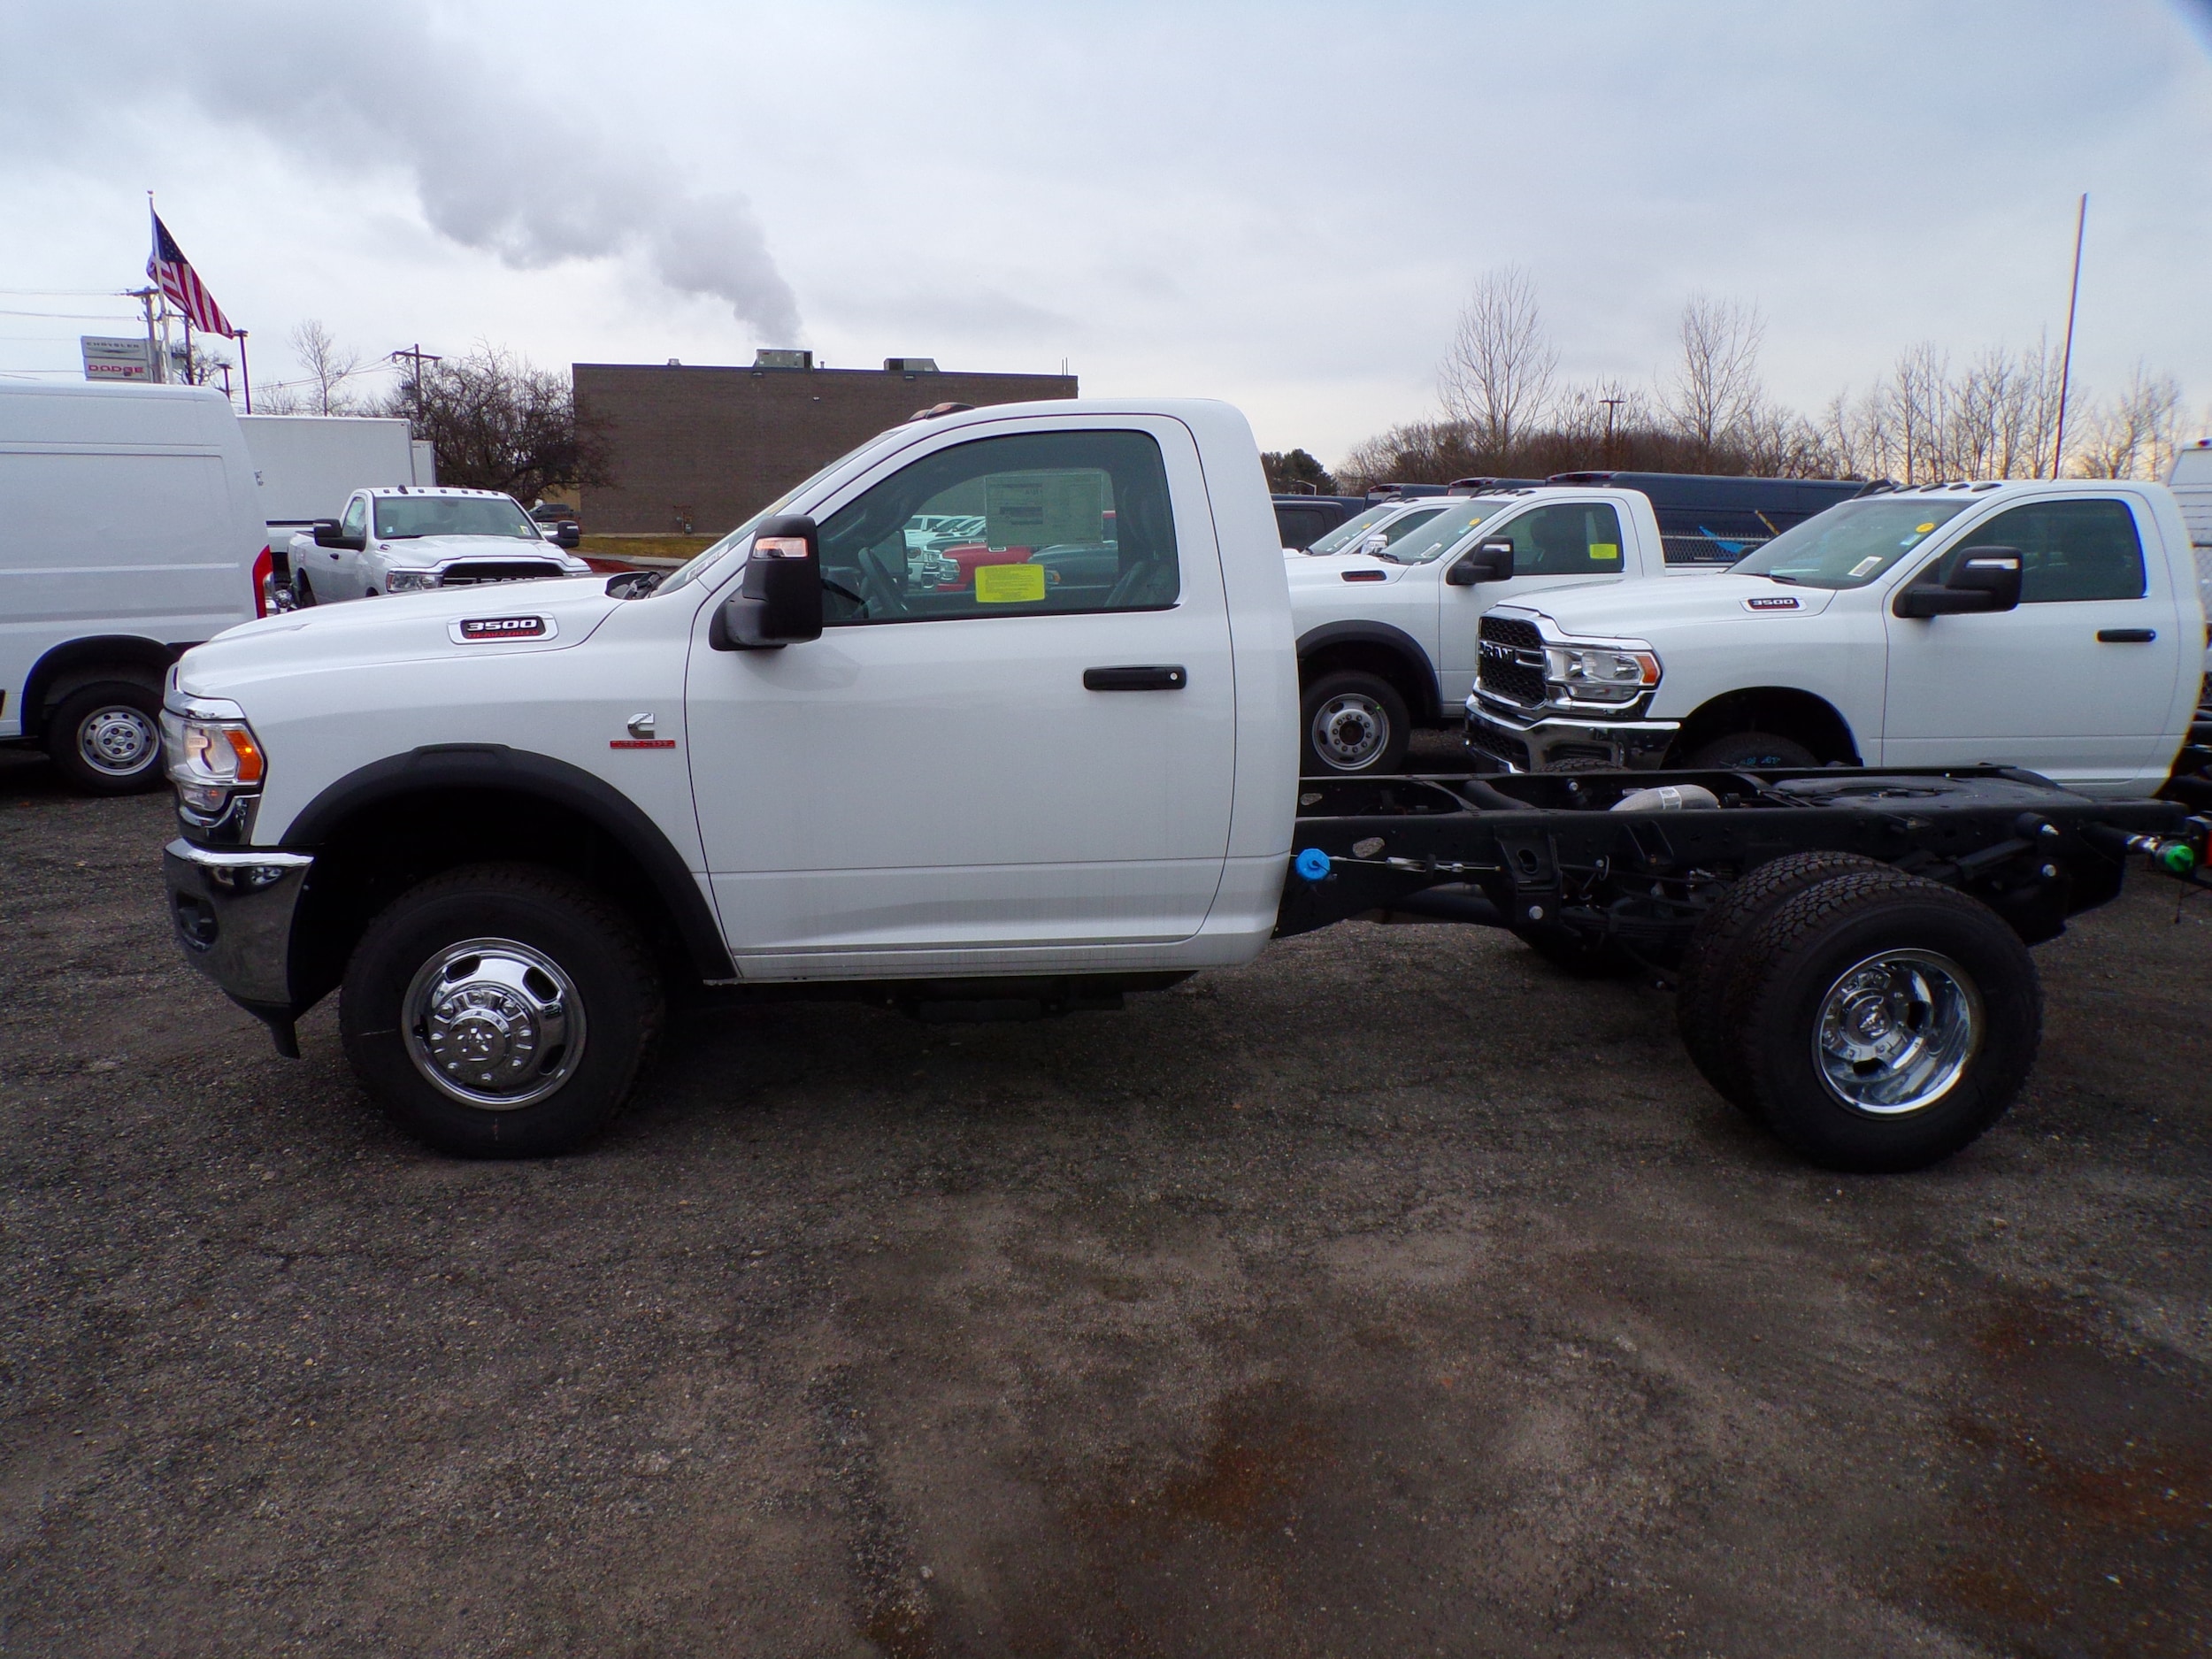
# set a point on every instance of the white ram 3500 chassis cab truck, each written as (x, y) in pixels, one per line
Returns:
(500, 822)
(2048, 625)
(1386, 624)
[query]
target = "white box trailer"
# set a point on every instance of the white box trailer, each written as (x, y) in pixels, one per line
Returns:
(2191, 481)
(309, 465)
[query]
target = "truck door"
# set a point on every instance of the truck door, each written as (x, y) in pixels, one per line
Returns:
(1029, 767)
(2076, 684)
(337, 571)
(1556, 545)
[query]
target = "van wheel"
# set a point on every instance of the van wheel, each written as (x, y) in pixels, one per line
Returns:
(1761, 750)
(1355, 724)
(106, 738)
(1715, 955)
(501, 1010)
(1886, 1020)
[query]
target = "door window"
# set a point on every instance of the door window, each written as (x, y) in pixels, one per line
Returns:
(356, 518)
(2068, 550)
(1019, 526)
(1579, 538)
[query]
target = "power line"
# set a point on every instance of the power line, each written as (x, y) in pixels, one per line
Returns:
(63, 293)
(85, 317)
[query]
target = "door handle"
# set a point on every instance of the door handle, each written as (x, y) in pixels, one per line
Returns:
(1164, 679)
(2126, 637)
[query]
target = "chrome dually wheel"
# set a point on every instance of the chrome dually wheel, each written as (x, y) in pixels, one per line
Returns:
(494, 1022)
(1897, 1031)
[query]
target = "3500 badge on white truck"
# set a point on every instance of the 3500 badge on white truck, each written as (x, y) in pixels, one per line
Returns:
(501, 824)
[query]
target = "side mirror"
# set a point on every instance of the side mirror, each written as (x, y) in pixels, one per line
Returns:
(1986, 579)
(1377, 543)
(779, 599)
(568, 532)
(326, 532)
(1490, 562)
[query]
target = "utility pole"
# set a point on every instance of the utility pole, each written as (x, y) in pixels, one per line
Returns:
(417, 355)
(2066, 356)
(145, 297)
(245, 374)
(1611, 404)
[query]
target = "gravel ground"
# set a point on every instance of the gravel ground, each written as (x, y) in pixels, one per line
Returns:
(1393, 1295)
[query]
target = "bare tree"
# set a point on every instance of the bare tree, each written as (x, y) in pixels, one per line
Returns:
(496, 423)
(1497, 376)
(2136, 433)
(329, 366)
(1716, 390)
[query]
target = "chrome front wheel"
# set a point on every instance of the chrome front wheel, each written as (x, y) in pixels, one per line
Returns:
(1350, 731)
(494, 1024)
(117, 740)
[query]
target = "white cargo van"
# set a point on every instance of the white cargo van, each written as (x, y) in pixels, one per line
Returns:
(2191, 481)
(130, 529)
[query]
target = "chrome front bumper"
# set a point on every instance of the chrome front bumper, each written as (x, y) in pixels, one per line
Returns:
(233, 915)
(1522, 744)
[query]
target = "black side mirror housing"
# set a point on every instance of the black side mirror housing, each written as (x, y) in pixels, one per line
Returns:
(779, 599)
(1490, 562)
(1986, 579)
(326, 532)
(568, 532)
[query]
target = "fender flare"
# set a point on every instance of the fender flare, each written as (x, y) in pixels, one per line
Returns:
(1396, 641)
(559, 782)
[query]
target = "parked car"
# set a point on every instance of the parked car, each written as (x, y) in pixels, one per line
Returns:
(2040, 624)
(1387, 627)
(404, 541)
(308, 466)
(130, 528)
(1301, 521)
(1707, 519)
(499, 824)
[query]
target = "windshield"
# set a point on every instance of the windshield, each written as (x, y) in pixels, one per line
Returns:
(1352, 532)
(404, 517)
(1849, 545)
(1435, 536)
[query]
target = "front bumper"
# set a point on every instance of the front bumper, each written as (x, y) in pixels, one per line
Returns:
(233, 915)
(1522, 743)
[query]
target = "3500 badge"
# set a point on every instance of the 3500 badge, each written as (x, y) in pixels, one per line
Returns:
(483, 630)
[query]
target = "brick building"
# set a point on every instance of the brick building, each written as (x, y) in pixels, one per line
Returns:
(702, 449)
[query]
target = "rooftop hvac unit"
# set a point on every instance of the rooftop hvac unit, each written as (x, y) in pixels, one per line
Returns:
(909, 366)
(769, 357)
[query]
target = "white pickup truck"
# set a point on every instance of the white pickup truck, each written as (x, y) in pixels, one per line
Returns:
(1385, 617)
(406, 539)
(502, 821)
(2054, 625)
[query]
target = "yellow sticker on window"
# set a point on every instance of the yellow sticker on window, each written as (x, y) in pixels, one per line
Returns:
(1605, 549)
(1009, 584)
(1922, 529)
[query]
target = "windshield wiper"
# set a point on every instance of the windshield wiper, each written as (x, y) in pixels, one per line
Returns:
(1792, 581)
(401, 535)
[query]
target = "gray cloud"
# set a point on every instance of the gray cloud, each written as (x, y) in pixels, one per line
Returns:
(497, 162)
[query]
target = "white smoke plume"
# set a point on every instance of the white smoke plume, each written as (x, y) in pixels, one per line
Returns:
(495, 163)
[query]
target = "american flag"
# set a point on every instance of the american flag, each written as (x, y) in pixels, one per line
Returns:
(173, 274)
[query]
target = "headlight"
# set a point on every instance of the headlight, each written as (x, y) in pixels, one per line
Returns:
(1588, 673)
(410, 581)
(212, 754)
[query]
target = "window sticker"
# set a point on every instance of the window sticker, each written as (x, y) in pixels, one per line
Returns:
(1922, 529)
(1605, 550)
(1009, 584)
(1867, 566)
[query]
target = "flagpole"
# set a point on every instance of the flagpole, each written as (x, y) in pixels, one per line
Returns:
(153, 258)
(2066, 356)
(245, 375)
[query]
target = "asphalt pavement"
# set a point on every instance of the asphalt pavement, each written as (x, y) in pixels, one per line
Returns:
(1393, 1295)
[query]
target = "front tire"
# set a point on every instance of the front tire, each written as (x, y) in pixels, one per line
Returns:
(1760, 751)
(501, 1010)
(106, 738)
(1356, 725)
(1887, 1021)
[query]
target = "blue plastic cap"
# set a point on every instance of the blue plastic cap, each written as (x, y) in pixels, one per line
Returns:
(1313, 864)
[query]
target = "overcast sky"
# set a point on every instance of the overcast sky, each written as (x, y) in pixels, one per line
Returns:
(1280, 204)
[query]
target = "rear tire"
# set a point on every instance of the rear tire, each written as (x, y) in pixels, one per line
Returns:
(1715, 954)
(106, 738)
(1887, 1021)
(1754, 750)
(1356, 725)
(501, 1012)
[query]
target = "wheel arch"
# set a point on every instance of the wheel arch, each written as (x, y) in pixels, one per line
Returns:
(83, 661)
(1785, 711)
(1374, 648)
(382, 828)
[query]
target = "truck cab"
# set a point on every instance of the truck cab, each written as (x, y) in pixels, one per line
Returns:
(2050, 625)
(409, 539)
(1387, 617)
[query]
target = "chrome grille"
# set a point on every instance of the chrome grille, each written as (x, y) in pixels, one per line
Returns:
(486, 570)
(1512, 660)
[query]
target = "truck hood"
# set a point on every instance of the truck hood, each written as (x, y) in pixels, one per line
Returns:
(509, 618)
(1328, 570)
(1649, 605)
